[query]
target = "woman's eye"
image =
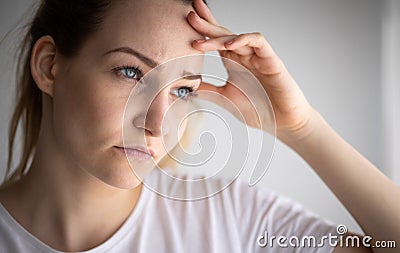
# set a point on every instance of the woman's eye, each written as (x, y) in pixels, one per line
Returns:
(183, 92)
(133, 73)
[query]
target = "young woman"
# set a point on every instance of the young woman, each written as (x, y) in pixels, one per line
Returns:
(78, 194)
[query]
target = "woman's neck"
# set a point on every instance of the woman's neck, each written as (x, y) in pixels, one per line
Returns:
(62, 205)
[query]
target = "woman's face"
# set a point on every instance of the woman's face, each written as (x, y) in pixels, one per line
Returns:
(92, 90)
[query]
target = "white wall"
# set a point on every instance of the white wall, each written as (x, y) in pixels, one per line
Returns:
(333, 49)
(12, 13)
(391, 86)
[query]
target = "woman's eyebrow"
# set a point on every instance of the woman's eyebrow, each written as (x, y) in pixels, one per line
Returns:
(146, 60)
(149, 62)
(192, 76)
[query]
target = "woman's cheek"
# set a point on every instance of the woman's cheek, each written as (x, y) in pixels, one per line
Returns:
(90, 111)
(105, 112)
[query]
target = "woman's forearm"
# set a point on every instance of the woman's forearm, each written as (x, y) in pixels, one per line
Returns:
(371, 197)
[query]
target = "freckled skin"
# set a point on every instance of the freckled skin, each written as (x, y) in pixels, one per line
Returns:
(89, 98)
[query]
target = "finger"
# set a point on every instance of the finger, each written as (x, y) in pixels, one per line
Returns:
(213, 43)
(208, 87)
(220, 44)
(204, 12)
(206, 28)
(254, 40)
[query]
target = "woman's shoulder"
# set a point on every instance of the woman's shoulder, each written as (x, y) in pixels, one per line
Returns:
(232, 205)
(8, 196)
(232, 194)
(174, 185)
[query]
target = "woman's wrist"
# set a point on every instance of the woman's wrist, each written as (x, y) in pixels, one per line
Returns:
(305, 133)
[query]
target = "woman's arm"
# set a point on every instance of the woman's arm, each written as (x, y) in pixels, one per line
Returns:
(372, 198)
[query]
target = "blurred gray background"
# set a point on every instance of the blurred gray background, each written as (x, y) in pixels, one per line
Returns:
(344, 54)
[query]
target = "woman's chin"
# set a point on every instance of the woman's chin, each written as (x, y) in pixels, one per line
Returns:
(120, 177)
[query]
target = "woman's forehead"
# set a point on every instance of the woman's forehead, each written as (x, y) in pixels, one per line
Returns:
(157, 28)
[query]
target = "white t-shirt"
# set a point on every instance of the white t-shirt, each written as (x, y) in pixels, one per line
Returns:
(238, 219)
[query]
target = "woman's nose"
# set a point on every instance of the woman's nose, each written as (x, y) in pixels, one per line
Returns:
(155, 115)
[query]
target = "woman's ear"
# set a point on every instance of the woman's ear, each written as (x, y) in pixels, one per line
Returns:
(42, 62)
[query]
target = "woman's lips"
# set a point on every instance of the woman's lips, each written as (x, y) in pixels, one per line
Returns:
(137, 153)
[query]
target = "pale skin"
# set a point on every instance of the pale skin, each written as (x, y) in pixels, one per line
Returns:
(80, 194)
(70, 189)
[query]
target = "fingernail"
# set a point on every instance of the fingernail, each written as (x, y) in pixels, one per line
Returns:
(190, 13)
(193, 13)
(230, 42)
(201, 41)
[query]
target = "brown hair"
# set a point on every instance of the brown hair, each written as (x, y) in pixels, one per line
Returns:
(69, 23)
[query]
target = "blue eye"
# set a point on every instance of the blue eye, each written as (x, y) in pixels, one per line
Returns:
(183, 92)
(128, 72)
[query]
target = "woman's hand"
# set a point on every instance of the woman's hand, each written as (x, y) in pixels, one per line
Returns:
(293, 113)
(365, 191)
